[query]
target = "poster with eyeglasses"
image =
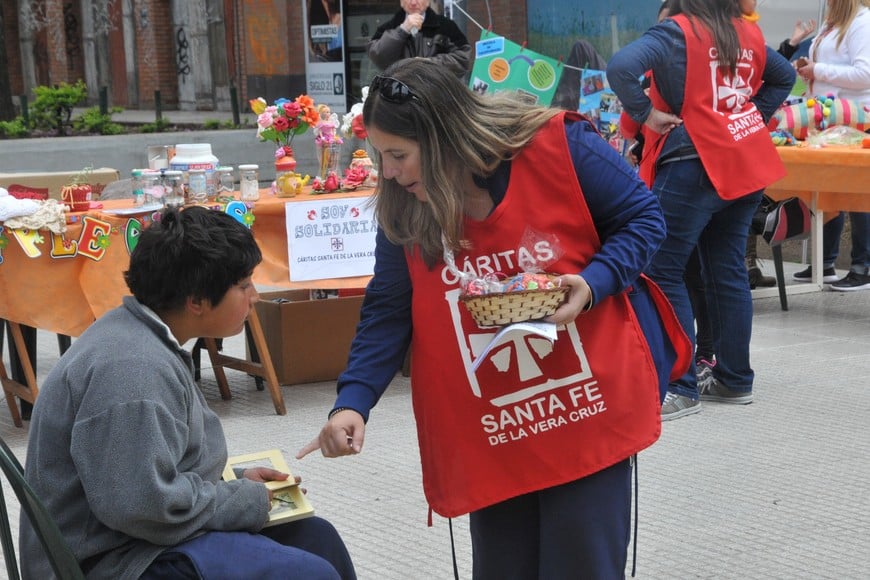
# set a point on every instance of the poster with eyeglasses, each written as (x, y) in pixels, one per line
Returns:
(502, 65)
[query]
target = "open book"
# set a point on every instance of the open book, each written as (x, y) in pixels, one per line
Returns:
(288, 501)
(545, 330)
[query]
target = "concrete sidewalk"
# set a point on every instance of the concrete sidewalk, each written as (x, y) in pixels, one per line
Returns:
(777, 489)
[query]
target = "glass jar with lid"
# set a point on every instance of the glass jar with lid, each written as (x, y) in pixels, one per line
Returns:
(173, 186)
(152, 187)
(138, 187)
(249, 182)
(226, 183)
(196, 186)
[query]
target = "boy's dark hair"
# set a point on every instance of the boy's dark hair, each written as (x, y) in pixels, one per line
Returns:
(196, 252)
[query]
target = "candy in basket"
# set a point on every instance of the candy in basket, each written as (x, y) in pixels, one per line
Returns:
(526, 296)
(494, 299)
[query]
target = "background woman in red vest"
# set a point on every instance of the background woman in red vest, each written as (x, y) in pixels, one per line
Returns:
(714, 85)
(535, 443)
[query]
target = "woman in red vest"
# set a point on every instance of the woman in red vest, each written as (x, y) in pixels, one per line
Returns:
(534, 441)
(708, 156)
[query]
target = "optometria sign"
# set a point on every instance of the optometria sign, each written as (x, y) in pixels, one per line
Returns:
(330, 239)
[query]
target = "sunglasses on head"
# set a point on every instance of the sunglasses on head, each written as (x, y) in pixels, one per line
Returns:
(392, 90)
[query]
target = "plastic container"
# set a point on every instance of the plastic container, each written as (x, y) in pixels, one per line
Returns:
(196, 156)
(249, 182)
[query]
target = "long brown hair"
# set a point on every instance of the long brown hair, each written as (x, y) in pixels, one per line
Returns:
(718, 17)
(459, 132)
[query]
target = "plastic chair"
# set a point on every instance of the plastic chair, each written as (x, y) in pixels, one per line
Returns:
(59, 555)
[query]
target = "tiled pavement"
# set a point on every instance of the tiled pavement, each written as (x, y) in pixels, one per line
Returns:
(777, 489)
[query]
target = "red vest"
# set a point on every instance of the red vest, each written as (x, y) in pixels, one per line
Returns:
(531, 416)
(727, 129)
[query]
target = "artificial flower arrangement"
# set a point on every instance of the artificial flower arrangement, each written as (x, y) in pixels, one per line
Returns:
(354, 177)
(352, 126)
(281, 122)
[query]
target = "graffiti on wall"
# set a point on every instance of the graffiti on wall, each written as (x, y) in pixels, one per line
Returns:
(182, 54)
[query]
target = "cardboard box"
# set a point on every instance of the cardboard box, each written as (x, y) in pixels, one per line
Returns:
(47, 184)
(309, 340)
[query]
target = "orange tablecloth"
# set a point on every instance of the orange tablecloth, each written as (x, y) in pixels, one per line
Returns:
(62, 283)
(839, 175)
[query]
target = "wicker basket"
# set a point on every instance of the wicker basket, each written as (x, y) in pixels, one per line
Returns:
(508, 307)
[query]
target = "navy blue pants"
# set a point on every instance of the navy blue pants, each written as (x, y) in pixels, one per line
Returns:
(579, 530)
(308, 549)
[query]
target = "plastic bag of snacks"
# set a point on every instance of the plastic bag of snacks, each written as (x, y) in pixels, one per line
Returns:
(839, 135)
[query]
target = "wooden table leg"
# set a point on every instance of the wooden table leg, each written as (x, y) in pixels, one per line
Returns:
(263, 368)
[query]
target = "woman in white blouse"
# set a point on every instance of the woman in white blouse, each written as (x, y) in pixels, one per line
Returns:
(839, 65)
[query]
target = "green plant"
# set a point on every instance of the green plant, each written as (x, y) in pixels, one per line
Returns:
(211, 124)
(53, 106)
(14, 128)
(82, 177)
(155, 127)
(93, 121)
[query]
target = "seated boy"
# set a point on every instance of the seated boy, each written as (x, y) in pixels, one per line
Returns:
(123, 448)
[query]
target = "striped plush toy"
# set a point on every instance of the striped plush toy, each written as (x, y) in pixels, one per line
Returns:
(819, 113)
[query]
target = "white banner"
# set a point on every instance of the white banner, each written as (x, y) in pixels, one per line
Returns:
(330, 239)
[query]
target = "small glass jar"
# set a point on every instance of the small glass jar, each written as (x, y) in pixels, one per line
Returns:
(174, 188)
(152, 186)
(196, 186)
(249, 182)
(138, 186)
(226, 185)
(328, 158)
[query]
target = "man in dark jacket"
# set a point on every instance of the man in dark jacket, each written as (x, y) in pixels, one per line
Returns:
(416, 30)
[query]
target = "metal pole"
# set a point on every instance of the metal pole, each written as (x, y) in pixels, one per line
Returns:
(234, 100)
(158, 107)
(104, 100)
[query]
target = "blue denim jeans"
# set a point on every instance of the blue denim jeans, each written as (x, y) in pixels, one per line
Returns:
(696, 215)
(860, 240)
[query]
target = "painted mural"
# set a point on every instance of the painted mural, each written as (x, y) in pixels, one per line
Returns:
(554, 25)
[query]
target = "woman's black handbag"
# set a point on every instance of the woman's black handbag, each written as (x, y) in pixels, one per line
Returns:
(778, 221)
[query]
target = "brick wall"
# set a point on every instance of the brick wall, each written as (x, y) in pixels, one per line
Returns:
(13, 56)
(508, 19)
(155, 53)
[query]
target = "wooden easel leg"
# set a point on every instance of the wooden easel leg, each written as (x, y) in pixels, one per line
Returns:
(216, 363)
(263, 368)
(266, 362)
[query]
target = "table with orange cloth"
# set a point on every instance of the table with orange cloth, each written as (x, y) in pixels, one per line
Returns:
(61, 283)
(829, 179)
